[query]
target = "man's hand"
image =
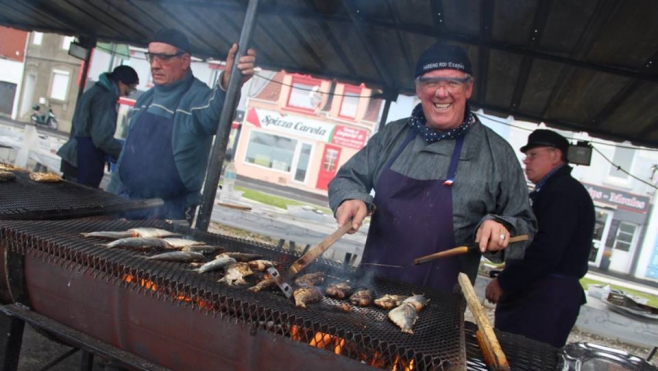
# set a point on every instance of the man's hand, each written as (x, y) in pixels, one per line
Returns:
(492, 236)
(245, 65)
(355, 210)
(493, 291)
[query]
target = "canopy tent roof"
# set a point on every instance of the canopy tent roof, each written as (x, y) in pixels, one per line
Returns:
(581, 65)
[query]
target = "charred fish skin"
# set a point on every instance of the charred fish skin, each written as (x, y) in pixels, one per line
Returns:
(140, 243)
(306, 295)
(362, 297)
(418, 301)
(235, 274)
(218, 263)
(310, 279)
(389, 301)
(404, 317)
(179, 256)
(339, 290)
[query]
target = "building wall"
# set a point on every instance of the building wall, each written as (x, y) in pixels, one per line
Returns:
(12, 55)
(12, 46)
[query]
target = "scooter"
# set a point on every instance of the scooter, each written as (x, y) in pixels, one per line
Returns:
(48, 120)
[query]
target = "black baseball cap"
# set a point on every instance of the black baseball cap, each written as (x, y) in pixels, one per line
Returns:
(172, 37)
(443, 56)
(546, 138)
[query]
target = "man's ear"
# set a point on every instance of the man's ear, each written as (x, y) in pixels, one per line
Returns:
(187, 60)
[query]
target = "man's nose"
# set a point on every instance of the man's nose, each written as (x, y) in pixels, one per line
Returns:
(442, 91)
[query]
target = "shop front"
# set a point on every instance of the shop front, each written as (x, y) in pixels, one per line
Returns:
(294, 150)
(621, 219)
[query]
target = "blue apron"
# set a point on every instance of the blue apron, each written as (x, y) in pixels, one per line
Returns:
(148, 168)
(413, 219)
(91, 162)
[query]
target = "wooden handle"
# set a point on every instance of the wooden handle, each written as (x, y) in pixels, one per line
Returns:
(319, 249)
(461, 250)
(490, 341)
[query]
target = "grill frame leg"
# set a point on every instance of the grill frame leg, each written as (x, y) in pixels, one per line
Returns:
(10, 345)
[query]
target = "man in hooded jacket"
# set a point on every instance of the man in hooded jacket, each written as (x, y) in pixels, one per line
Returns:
(94, 123)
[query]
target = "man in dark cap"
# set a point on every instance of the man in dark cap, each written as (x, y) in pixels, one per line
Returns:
(93, 126)
(171, 131)
(441, 179)
(540, 296)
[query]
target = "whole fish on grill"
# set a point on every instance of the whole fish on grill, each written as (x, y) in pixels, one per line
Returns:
(45, 177)
(9, 167)
(306, 295)
(220, 262)
(310, 279)
(179, 243)
(141, 243)
(6, 176)
(339, 290)
(242, 256)
(179, 256)
(132, 232)
(418, 301)
(235, 274)
(404, 317)
(362, 297)
(260, 265)
(389, 301)
(204, 249)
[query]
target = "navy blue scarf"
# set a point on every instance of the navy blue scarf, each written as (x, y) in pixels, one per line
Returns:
(418, 122)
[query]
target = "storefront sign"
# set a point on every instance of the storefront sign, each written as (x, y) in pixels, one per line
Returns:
(300, 126)
(623, 200)
(290, 124)
(349, 137)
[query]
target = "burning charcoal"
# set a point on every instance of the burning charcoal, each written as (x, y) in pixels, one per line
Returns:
(362, 297)
(310, 279)
(307, 295)
(235, 274)
(404, 317)
(339, 290)
(389, 301)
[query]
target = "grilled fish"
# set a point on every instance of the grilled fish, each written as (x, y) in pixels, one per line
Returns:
(243, 256)
(220, 262)
(389, 301)
(310, 279)
(235, 274)
(9, 167)
(140, 243)
(362, 297)
(179, 256)
(260, 265)
(404, 317)
(45, 177)
(267, 283)
(418, 301)
(6, 176)
(133, 232)
(205, 249)
(179, 243)
(306, 295)
(339, 290)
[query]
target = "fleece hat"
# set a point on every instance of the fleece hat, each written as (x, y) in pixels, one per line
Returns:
(546, 138)
(443, 56)
(172, 37)
(125, 74)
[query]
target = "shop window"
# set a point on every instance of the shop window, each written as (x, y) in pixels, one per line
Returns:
(624, 159)
(60, 85)
(37, 38)
(330, 159)
(302, 162)
(350, 102)
(301, 93)
(66, 42)
(271, 151)
(625, 235)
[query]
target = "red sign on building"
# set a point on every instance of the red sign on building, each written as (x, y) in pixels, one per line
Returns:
(349, 137)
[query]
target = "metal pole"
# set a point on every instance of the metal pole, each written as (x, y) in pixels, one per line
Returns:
(226, 118)
(382, 121)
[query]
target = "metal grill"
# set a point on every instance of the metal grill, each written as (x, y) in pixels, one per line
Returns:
(522, 353)
(25, 199)
(362, 334)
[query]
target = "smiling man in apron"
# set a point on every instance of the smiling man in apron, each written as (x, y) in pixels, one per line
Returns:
(94, 123)
(171, 131)
(540, 296)
(441, 179)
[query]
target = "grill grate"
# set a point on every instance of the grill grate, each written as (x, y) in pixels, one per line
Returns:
(363, 334)
(25, 199)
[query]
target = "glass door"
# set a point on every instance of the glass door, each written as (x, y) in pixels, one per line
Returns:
(301, 162)
(601, 228)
